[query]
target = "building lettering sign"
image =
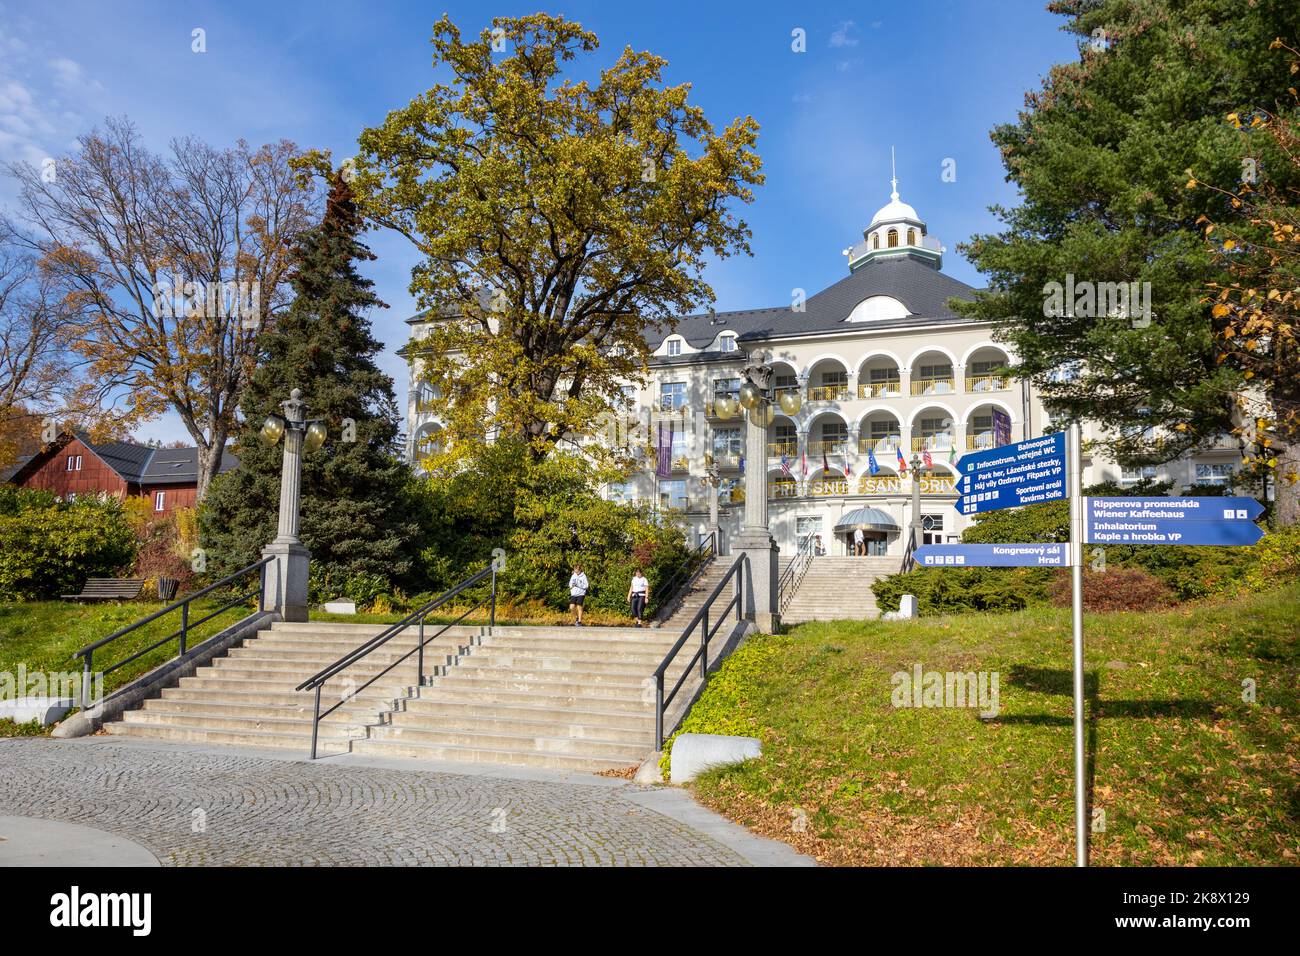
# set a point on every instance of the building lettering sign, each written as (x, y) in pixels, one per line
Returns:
(881, 485)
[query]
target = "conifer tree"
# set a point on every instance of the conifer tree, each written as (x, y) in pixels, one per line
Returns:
(353, 517)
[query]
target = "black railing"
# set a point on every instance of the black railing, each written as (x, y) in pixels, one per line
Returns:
(87, 653)
(317, 681)
(680, 581)
(700, 620)
(794, 572)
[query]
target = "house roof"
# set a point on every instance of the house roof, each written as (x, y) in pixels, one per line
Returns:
(135, 464)
(922, 289)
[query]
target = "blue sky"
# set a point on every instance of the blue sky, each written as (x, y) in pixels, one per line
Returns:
(930, 78)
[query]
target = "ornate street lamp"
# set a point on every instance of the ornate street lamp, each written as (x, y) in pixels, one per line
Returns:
(755, 538)
(286, 585)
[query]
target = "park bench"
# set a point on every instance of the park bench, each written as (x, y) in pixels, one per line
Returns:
(108, 589)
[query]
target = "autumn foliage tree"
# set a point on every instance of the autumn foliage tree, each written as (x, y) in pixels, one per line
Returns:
(173, 264)
(556, 217)
(1256, 322)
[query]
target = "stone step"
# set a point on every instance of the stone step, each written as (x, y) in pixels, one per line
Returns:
(275, 725)
(622, 752)
(236, 682)
(420, 709)
(517, 758)
(516, 683)
(466, 693)
(257, 696)
(570, 667)
(298, 671)
(327, 743)
(230, 707)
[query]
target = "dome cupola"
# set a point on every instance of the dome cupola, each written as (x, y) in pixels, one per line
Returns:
(895, 230)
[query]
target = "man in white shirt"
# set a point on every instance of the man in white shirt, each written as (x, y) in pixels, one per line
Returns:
(577, 593)
(859, 542)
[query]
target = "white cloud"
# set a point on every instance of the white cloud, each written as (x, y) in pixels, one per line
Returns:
(842, 37)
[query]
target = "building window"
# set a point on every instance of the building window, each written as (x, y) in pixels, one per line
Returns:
(74, 463)
(627, 396)
(159, 500)
(727, 343)
(729, 387)
(1133, 476)
(805, 525)
(1213, 474)
(617, 491)
(674, 346)
(672, 493)
(875, 240)
(892, 240)
(911, 237)
(672, 396)
(729, 442)
(931, 529)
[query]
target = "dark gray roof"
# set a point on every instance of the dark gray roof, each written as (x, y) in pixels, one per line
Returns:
(922, 288)
(142, 464)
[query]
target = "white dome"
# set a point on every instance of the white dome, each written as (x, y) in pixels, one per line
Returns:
(893, 210)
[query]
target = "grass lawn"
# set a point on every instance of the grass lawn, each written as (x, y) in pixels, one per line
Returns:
(1185, 771)
(42, 635)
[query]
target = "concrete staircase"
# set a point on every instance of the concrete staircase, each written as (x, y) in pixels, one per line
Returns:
(838, 588)
(700, 589)
(561, 697)
(248, 699)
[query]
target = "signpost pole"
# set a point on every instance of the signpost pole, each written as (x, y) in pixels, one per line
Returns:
(1074, 462)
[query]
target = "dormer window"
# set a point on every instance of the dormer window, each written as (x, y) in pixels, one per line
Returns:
(875, 240)
(674, 346)
(911, 237)
(893, 239)
(727, 342)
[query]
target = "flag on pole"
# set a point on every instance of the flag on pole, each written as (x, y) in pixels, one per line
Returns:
(902, 462)
(826, 465)
(871, 462)
(925, 456)
(805, 464)
(952, 454)
(664, 452)
(848, 470)
(785, 466)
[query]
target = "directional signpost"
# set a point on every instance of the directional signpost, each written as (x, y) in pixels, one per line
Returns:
(1049, 469)
(1020, 474)
(1213, 521)
(993, 555)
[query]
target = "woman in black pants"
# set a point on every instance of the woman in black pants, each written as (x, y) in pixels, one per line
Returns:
(638, 593)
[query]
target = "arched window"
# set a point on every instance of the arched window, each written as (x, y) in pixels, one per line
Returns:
(875, 240)
(893, 239)
(911, 237)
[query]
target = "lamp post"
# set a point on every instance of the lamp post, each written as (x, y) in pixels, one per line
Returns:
(286, 588)
(755, 539)
(712, 480)
(916, 500)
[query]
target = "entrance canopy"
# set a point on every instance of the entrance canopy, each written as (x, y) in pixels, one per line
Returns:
(868, 519)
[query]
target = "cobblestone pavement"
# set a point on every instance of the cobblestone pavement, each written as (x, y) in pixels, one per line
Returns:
(200, 806)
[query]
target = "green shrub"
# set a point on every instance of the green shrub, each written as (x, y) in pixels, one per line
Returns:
(955, 590)
(48, 547)
(1274, 561)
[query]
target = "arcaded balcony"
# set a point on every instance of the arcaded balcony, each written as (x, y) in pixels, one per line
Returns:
(932, 375)
(985, 371)
(879, 378)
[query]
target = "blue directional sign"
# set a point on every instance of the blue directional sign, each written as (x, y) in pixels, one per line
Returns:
(1166, 520)
(1013, 475)
(993, 555)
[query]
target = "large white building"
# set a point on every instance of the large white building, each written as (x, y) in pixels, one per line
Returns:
(883, 368)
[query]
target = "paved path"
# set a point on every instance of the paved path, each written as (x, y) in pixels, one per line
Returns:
(194, 806)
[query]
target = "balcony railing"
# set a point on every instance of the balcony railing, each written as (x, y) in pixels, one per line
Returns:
(987, 383)
(828, 393)
(775, 449)
(681, 463)
(726, 459)
(890, 389)
(830, 446)
(941, 442)
(981, 440)
(885, 443)
(932, 386)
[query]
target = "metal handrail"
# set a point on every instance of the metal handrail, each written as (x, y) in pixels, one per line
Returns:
(87, 653)
(701, 619)
(317, 680)
(688, 571)
(794, 572)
